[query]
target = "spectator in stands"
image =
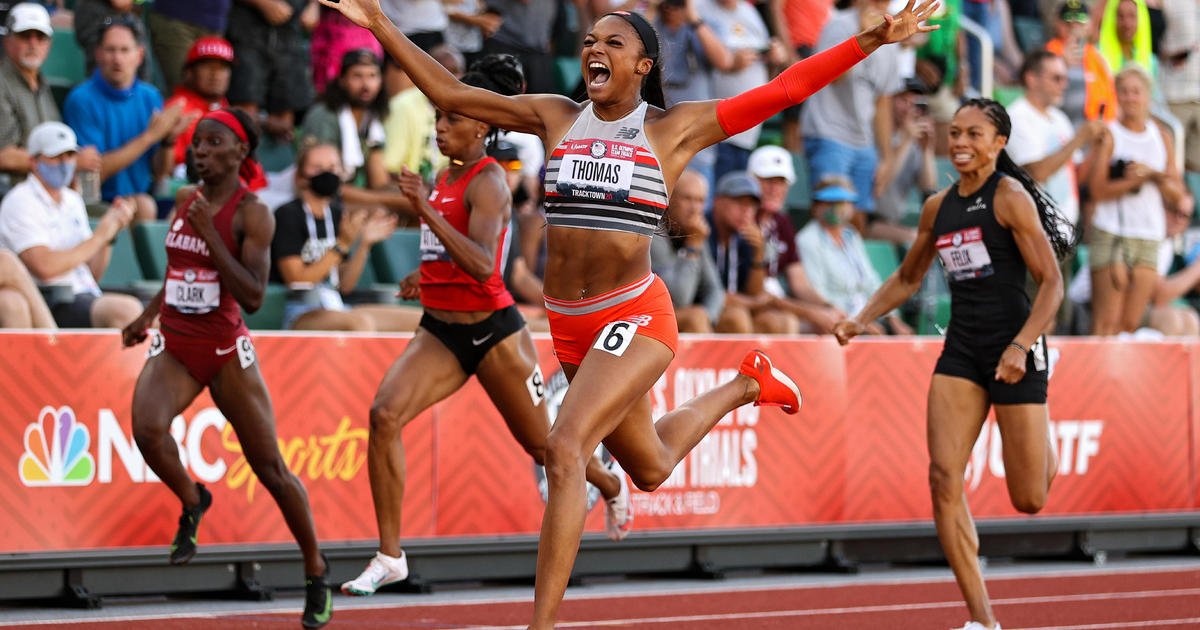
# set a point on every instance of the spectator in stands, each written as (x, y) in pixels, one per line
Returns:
(682, 259)
(525, 34)
(470, 22)
(351, 116)
(1089, 79)
(120, 115)
(1045, 143)
(1179, 275)
(319, 251)
(785, 280)
(25, 98)
(742, 31)
(91, 17)
(272, 69)
(836, 259)
(1136, 178)
(1125, 36)
(738, 249)
(408, 129)
(21, 304)
(847, 125)
(174, 27)
(1180, 72)
(689, 43)
(206, 73)
(333, 37)
(909, 166)
(422, 21)
(45, 223)
(940, 65)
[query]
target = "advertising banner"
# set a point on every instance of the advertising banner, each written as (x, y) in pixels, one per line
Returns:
(1123, 425)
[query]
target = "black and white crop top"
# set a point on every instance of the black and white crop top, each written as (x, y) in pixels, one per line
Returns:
(604, 176)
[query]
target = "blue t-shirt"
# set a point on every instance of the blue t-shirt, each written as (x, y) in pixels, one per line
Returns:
(108, 118)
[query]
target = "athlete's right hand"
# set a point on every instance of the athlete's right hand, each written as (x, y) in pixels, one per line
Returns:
(410, 286)
(847, 330)
(361, 12)
(134, 333)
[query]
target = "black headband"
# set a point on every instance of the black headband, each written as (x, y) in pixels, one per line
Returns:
(644, 31)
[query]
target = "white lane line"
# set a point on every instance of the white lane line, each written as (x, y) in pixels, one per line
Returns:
(857, 610)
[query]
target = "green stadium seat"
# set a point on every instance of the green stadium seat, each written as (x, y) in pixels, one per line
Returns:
(398, 256)
(567, 73)
(800, 194)
(941, 318)
(946, 174)
(149, 240)
(123, 271)
(1192, 179)
(883, 257)
(270, 315)
(1080, 261)
(368, 278)
(65, 65)
(1006, 94)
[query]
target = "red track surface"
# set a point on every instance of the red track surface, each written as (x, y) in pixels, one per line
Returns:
(1150, 599)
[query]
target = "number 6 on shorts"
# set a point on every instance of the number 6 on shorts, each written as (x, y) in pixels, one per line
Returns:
(616, 337)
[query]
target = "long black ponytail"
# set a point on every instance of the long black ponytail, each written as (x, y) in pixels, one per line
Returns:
(1062, 233)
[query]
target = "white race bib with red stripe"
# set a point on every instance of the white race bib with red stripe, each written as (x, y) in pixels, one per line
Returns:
(193, 291)
(964, 255)
(598, 169)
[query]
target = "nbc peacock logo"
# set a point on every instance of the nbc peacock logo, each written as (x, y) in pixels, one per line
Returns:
(56, 450)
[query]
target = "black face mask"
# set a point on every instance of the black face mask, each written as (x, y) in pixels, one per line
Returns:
(325, 184)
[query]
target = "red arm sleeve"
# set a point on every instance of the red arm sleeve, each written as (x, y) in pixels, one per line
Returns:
(739, 113)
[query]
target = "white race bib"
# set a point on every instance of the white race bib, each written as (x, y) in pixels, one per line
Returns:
(431, 246)
(964, 254)
(193, 291)
(597, 169)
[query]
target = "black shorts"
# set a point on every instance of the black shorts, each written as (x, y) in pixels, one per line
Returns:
(471, 342)
(966, 357)
(273, 73)
(73, 313)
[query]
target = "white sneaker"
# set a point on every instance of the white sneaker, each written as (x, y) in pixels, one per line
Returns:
(975, 625)
(382, 570)
(618, 513)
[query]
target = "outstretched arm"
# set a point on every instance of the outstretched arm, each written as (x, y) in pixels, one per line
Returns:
(528, 113)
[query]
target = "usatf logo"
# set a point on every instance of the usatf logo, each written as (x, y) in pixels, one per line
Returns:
(56, 451)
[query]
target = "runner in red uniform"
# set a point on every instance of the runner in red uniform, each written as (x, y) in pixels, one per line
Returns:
(470, 326)
(218, 258)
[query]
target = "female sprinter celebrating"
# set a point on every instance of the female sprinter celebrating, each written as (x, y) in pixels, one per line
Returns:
(613, 160)
(218, 258)
(470, 325)
(988, 228)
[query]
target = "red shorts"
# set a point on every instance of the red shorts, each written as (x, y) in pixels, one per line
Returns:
(641, 308)
(203, 357)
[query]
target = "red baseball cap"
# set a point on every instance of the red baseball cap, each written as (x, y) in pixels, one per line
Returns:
(210, 47)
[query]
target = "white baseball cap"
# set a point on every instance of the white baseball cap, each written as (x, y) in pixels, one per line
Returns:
(52, 139)
(28, 16)
(772, 161)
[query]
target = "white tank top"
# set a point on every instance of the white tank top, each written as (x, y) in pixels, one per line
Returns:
(1137, 214)
(604, 176)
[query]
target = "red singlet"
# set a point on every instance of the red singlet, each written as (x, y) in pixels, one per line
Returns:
(195, 303)
(444, 285)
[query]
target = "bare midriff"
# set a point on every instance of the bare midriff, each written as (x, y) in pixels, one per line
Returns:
(581, 263)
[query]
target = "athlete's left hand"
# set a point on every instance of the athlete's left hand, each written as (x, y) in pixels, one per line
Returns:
(410, 286)
(908, 22)
(414, 189)
(1012, 366)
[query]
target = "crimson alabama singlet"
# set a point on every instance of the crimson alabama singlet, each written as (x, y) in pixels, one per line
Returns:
(444, 285)
(195, 302)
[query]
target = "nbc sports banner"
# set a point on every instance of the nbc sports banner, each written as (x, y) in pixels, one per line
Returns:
(1123, 421)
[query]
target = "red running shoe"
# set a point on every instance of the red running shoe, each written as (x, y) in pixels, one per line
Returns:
(775, 388)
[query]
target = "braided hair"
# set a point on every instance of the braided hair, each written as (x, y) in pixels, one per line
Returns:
(1062, 234)
(498, 73)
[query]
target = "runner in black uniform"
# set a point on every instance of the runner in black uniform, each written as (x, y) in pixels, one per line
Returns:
(989, 229)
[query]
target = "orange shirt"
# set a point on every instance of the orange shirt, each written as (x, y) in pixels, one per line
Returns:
(1097, 78)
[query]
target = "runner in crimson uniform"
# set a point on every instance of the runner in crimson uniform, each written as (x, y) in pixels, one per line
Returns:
(218, 258)
(470, 326)
(619, 155)
(989, 229)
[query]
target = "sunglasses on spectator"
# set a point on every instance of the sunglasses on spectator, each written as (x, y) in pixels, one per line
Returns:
(122, 19)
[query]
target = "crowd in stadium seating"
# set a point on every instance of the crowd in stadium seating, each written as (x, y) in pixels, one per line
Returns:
(782, 229)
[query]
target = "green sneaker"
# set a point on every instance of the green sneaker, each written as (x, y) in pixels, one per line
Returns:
(183, 548)
(318, 599)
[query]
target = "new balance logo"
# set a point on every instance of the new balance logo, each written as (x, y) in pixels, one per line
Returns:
(626, 133)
